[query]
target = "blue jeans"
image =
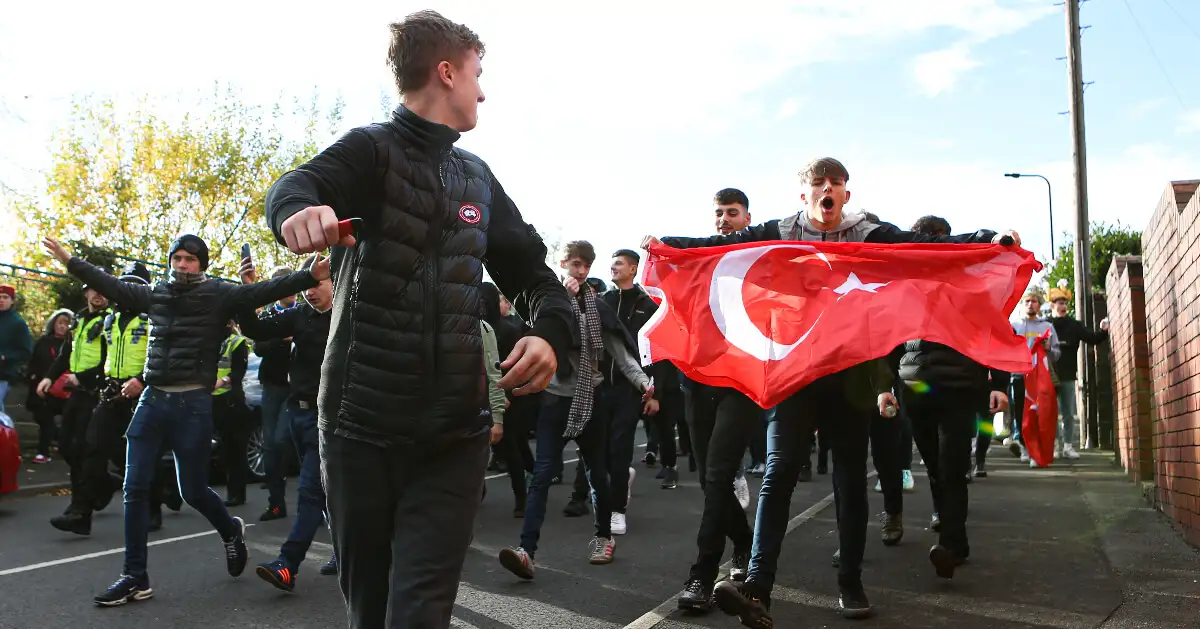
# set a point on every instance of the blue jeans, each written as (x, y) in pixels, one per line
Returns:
(275, 438)
(1066, 408)
(310, 502)
(3, 393)
(593, 446)
(183, 423)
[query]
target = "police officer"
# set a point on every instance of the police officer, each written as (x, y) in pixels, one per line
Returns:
(83, 357)
(230, 414)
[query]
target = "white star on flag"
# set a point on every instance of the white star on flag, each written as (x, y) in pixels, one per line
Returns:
(853, 283)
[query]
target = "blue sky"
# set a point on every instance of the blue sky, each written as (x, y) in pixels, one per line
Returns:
(608, 122)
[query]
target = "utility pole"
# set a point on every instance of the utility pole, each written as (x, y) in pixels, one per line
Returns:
(1083, 275)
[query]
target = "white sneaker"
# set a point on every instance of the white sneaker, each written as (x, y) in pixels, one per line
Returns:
(1069, 451)
(1024, 455)
(617, 524)
(879, 487)
(41, 458)
(741, 489)
(1033, 464)
(907, 481)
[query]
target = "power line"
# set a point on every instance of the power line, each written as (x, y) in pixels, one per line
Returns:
(1181, 18)
(1154, 54)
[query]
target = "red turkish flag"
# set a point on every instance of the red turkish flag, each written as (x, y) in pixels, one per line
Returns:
(1039, 422)
(768, 318)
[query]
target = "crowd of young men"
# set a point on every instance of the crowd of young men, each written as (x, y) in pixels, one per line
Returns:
(385, 377)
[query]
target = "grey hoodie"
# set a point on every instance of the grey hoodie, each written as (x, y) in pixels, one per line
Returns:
(1032, 329)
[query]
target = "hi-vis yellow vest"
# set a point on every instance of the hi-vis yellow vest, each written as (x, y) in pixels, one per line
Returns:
(87, 344)
(225, 363)
(126, 347)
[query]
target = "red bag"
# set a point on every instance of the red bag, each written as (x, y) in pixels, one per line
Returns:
(1039, 425)
(59, 388)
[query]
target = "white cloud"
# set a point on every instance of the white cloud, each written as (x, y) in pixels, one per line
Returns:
(1144, 108)
(936, 72)
(788, 108)
(1190, 121)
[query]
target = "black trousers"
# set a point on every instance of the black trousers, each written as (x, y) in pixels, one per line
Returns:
(722, 423)
(401, 538)
(886, 435)
(72, 441)
(232, 422)
(44, 411)
(943, 426)
(514, 447)
(105, 445)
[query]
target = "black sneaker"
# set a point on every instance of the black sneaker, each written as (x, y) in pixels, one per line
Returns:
(235, 550)
(739, 566)
(837, 558)
(980, 471)
(734, 599)
(935, 523)
(73, 522)
(330, 568)
(696, 597)
(944, 561)
(893, 528)
(805, 474)
(575, 509)
(852, 602)
(278, 574)
(124, 590)
(670, 477)
(650, 459)
(273, 512)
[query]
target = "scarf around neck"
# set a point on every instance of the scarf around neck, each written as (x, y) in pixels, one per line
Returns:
(590, 345)
(184, 278)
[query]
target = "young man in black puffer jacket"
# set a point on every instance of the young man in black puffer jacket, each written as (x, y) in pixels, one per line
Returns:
(189, 315)
(403, 379)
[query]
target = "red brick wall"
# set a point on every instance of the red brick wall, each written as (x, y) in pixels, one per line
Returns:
(1169, 260)
(1126, 300)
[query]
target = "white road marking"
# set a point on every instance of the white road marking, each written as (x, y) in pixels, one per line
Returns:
(113, 551)
(651, 618)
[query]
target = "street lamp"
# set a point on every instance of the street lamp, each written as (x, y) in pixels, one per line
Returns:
(1050, 203)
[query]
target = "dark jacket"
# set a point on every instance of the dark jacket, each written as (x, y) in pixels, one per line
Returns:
(943, 368)
(188, 322)
(405, 355)
(634, 308)
(275, 353)
(1071, 332)
(854, 228)
(309, 330)
(15, 345)
(90, 379)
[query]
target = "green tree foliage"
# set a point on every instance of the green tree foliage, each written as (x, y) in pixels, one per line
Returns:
(129, 182)
(1107, 241)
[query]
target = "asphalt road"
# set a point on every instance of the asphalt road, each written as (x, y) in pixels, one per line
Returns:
(1022, 563)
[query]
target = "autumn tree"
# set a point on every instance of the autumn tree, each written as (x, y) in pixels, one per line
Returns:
(131, 181)
(1107, 241)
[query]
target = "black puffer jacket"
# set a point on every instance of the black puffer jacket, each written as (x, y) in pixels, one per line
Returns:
(187, 322)
(405, 357)
(943, 368)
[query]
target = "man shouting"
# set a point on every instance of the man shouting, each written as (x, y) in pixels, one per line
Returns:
(403, 377)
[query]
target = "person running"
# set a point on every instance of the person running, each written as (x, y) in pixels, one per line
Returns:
(840, 403)
(402, 379)
(581, 407)
(1070, 332)
(188, 318)
(307, 325)
(82, 359)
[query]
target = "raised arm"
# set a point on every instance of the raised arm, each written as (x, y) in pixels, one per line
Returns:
(758, 233)
(241, 297)
(886, 233)
(516, 260)
(134, 297)
(341, 177)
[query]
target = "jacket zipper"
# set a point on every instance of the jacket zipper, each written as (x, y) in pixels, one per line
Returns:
(612, 364)
(433, 242)
(359, 248)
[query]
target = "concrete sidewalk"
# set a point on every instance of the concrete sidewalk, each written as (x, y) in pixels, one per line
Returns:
(1072, 546)
(41, 478)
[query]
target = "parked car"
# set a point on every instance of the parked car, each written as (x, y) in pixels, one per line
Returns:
(10, 455)
(254, 445)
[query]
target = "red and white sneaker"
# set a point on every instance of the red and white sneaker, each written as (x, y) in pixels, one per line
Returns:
(600, 550)
(41, 458)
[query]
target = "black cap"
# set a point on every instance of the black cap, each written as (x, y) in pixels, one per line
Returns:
(135, 272)
(193, 245)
